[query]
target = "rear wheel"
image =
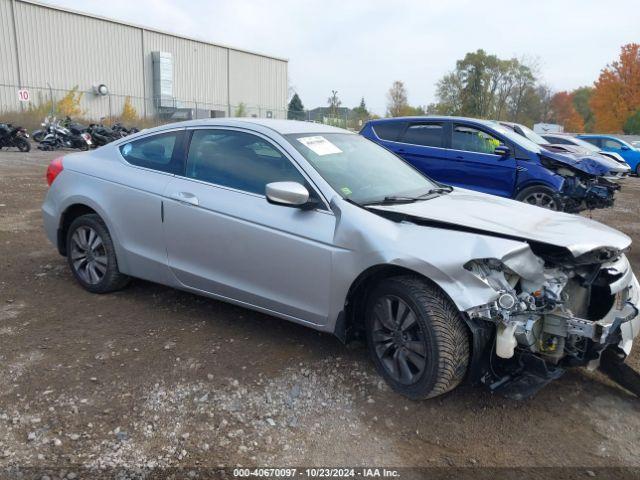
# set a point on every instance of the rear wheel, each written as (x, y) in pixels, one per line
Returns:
(638, 170)
(540, 197)
(22, 144)
(417, 338)
(91, 255)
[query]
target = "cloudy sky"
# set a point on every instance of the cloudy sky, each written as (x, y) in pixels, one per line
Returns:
(359, 47)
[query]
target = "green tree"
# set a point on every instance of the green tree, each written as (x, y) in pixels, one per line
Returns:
(632, 124)
(241, 110)
(295, 110)
(581, 97)
(360, 114)
(485, 86)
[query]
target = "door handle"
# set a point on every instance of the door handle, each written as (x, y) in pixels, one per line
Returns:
(400, 150)
(185, 197)
(459, 157)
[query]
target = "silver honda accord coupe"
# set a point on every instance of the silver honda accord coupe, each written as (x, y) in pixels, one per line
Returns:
(322, 227)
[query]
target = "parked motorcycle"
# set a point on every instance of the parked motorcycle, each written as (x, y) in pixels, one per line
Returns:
(17, 137)
(72, 135)
(102, 135)
(118, 128)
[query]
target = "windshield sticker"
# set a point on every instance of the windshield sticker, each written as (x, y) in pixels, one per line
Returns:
(319, 145)
(346, 191)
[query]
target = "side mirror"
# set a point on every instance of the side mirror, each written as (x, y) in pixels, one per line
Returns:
(288, 194)
(624, 147)
(502, 150)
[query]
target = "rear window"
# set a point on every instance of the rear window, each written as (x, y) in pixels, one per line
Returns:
(388, 130)
(427, 134)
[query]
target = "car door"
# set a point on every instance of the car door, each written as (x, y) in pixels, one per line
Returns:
(423, 144)
(135, 201)
(613, 145)
(223, 237)
(476, 165)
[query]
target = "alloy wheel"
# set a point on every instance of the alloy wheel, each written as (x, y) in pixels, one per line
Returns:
(399, 342)
(541, 199)
(88, 255)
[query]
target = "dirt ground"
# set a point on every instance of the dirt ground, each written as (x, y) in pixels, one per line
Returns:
(156, 377)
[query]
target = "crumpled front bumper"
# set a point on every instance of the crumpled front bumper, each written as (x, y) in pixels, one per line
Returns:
(578, 196)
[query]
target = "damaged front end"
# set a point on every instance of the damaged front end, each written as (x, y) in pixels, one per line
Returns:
(551, 311)
(587, 184)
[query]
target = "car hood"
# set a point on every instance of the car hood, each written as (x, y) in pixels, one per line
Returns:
(591, 164)
(490, 215)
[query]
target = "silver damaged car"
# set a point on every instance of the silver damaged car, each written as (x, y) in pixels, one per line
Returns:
(322, 227)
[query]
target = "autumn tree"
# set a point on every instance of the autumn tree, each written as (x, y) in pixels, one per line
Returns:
(397, 99)
(616, 93)
(565, 113)
(69, 105)
(129, 113)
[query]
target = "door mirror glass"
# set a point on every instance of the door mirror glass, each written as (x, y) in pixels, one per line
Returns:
(290, 194)
(502, 150)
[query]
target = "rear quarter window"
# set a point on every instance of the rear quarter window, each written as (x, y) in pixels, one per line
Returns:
(155, 152)
(389, 130)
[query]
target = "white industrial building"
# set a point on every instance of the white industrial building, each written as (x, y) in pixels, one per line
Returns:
(46, 51)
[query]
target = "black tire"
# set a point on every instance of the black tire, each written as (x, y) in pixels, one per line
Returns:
(105, 281)
(540, 196)
(438, 334)
(638, 170)
(22, 144)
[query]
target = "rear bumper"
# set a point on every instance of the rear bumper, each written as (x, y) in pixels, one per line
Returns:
(50, 219)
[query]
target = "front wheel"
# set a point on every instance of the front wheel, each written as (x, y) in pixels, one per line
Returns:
(22, 144)
(91, 255)
(540, 197)
(416, 336)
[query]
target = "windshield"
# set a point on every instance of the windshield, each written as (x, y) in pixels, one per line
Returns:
(518, 139)
(358, 169)
(533, 136)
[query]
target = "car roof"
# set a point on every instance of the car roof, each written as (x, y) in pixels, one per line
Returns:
(436, 118)
(282, 127)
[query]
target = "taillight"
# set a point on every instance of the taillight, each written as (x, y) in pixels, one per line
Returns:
(55, 167)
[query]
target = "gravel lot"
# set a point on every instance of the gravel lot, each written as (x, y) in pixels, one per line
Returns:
(155, 377)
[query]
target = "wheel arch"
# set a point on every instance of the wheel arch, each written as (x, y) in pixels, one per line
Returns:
(537, 183)
(78, 206)
(349, 322)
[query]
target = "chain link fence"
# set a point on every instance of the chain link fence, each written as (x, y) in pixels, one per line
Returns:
(29, 106)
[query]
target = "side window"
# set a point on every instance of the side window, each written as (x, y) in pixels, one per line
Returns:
(609, 143)
(155, 152)
(389, 130)
(593, 140)
(471, 139)
(238, 160)
(427, 134)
